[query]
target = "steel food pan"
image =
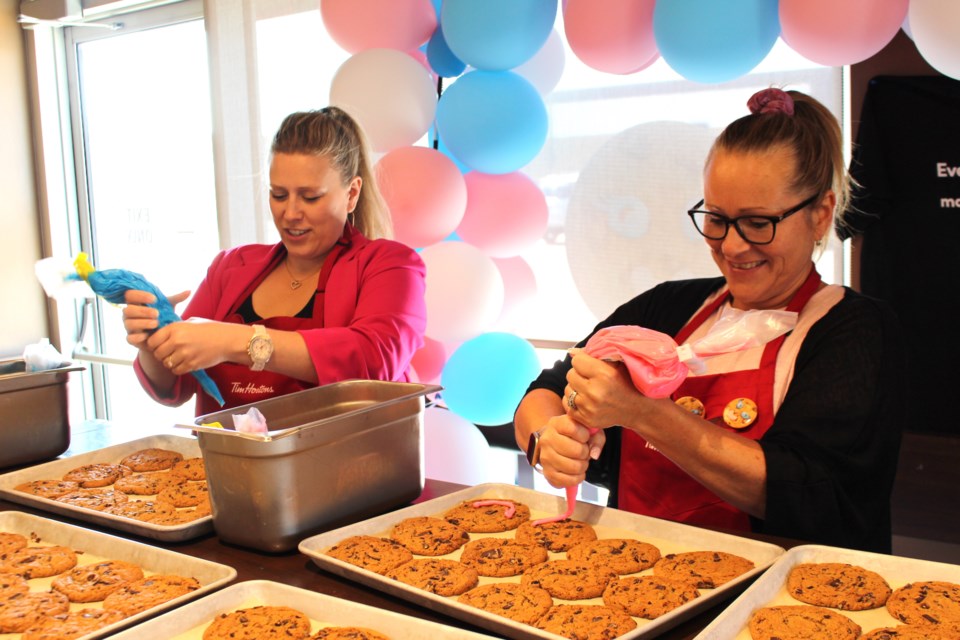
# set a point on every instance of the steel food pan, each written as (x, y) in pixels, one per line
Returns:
(770, 588)
(333, 454)
(96, 546)
(55, 469)
(669, 537)
(34, 417)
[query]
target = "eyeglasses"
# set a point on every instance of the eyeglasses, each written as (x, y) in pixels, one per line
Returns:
(753, 229)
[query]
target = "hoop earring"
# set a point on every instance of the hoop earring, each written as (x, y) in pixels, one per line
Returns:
(350, 218)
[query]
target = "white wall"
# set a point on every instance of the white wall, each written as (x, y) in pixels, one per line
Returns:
(23, 317)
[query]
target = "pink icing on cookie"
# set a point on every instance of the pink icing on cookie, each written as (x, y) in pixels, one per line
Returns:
(507, 513)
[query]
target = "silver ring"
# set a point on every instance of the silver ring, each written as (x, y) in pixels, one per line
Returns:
(572, 400)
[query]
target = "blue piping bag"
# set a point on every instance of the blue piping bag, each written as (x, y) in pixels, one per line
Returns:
(111, 284)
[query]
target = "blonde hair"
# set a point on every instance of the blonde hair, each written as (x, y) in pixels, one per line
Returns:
(331, 132)
(811, 133)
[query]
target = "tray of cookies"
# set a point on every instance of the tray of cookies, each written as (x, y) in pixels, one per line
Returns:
(829, 592)
(153, 487)
(241, 610)
(60, 580)
(478, 555)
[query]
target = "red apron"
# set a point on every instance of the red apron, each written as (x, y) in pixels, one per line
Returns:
(653, 485)
(239, 384)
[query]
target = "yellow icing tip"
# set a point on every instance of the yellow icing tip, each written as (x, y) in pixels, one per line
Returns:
(83, 266)
(214, 425)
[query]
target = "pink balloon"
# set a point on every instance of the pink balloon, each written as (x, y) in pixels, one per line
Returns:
(356, 25)
(616, 37)
(425, 192)
(428, 361)
(840, 32)
(506, 213)
(519, 283)
(464, 293)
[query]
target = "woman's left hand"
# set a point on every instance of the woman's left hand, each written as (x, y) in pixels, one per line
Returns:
(604, 394)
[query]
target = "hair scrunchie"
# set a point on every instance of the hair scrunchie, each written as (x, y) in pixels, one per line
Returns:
(771, 101)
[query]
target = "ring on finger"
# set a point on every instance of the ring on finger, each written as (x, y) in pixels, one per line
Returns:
(572, 400)
(169, 363)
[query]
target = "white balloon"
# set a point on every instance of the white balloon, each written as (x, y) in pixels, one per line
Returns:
(389, 93)
(545, 68)
(464, 293)
(454, 449)
(935, 28)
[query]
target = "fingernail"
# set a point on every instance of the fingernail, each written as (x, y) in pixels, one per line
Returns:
(595, 453)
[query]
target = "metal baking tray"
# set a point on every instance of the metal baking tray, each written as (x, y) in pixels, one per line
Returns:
(188, 622)
(669, 537)
(57, 468)
(98, 546)
(770, 588)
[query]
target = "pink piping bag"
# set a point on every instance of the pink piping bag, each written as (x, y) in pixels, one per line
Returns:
(658, 365)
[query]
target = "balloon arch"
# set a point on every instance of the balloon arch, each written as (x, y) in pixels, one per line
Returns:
(454, 201)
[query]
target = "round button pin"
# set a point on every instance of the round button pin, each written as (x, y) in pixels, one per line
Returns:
(691, 404)
(740, 413)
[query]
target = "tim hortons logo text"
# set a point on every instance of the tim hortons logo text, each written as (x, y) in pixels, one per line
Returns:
(250, 388)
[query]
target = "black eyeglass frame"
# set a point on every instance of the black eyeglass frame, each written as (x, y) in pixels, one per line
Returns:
(735, 222)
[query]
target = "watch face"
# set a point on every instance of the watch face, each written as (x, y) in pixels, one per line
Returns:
(260, 349)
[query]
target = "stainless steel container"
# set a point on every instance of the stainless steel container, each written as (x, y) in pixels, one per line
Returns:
(34, 421)
(334, 455)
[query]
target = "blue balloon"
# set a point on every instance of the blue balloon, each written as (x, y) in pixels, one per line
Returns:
(492, 121)
(708, 41)
(441, 59)
(495, 35)
(486, 377)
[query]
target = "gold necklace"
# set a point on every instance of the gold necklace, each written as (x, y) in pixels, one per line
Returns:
(296, 282)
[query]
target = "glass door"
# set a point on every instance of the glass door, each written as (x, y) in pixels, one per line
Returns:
(144, 154)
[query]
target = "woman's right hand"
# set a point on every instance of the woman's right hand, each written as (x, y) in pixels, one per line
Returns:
(139, 320)
(565, 447)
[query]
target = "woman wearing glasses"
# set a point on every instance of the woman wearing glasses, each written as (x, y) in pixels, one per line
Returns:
(798, 437)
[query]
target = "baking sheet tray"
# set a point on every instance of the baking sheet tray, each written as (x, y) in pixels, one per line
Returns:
(669, 537)
(770, 588)
(57, 468)
(188, 622)
(98, 546)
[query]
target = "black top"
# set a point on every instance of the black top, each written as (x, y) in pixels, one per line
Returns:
(249, 316)
(832, 450)
(907, 208)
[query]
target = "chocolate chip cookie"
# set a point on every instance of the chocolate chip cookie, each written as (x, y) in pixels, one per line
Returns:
(648, 596)
(569, 579)
(520, 602)
(838, 585)
(501, 557)
(801, 622)
(436, 575)
(620, 554)
(427, 536)
(556, 536)
(379, 555)
(703, 569)
(488, 515)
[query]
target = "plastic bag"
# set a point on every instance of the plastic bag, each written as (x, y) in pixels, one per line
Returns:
(252, 421)
(42, 356)
(658, 366)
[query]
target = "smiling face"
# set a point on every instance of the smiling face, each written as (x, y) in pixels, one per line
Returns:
(759, 183)
(309, 203)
